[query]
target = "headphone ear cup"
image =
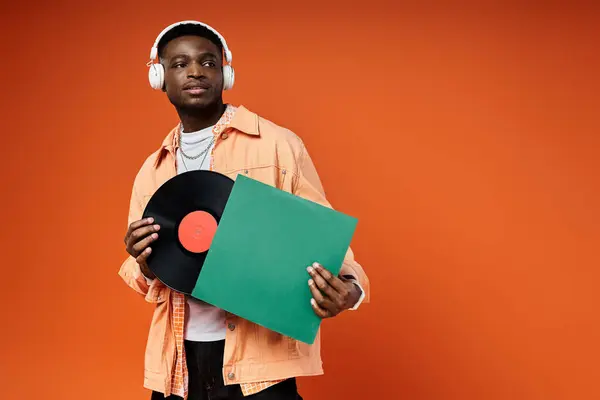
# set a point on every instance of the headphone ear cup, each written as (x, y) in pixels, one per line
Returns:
(156, 75)
(228, 77)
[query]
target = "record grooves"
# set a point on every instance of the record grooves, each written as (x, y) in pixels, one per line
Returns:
(188, 208)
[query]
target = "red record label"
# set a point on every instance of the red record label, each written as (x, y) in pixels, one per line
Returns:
(196, 231)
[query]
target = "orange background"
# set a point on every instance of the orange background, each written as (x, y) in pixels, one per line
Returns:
(464, 138)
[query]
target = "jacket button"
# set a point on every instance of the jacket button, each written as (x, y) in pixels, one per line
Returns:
(231, 375)
(231, 326)
(224, 135)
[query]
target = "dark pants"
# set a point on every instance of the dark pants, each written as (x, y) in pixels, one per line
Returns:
(205, 363)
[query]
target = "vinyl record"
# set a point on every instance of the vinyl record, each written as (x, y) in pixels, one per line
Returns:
(188, 208)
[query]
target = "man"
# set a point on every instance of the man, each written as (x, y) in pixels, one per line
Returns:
(195, 350)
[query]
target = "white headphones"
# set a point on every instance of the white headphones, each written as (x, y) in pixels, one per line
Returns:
(156, 73)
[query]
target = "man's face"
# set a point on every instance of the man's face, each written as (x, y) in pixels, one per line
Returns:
(193, 74)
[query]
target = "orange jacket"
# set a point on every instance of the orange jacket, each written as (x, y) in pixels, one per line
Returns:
(251, 145)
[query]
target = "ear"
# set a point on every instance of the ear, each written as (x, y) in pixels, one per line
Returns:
(161, 61)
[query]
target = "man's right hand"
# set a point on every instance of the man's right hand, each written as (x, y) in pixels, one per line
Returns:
(137, 241)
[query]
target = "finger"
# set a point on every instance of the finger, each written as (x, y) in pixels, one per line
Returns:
(322, 301)
(143, 244)
(334, 281)
(143, 256)
(144, 231)
(318, 310)
(322, 284)
(138, 224)
(141, 233)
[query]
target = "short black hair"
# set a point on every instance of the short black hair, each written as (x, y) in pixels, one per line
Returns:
(188, 30)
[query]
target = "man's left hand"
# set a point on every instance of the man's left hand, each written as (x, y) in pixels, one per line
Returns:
(331, 294)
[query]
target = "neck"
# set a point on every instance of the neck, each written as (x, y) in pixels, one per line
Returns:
(195, 120)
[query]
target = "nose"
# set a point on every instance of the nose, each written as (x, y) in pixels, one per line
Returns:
(195, 70)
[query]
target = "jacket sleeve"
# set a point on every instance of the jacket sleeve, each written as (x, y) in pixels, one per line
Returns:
(153, 291)
(308, 185)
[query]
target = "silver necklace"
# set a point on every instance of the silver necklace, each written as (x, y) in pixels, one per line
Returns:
(202, 153)
(205, 152)
(190, 143)
(201, 164)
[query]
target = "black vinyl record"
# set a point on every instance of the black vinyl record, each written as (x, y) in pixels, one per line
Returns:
(188, 208)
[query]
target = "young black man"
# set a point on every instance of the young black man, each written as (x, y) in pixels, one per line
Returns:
(195, 350)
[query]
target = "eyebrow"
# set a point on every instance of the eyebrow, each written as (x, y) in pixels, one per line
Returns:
(201, 55)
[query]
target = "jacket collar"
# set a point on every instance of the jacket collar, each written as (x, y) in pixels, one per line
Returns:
(238, 119)
(245, 121)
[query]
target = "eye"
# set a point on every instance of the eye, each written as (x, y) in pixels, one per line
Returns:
(179, 65)
(210, 64)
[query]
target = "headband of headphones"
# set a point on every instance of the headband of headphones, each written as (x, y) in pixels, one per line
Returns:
(154, 50)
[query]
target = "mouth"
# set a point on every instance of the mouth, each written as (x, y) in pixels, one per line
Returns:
(196, 88)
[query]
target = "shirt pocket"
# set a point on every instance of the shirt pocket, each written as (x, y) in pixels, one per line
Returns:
(276, 347)
(273, 175)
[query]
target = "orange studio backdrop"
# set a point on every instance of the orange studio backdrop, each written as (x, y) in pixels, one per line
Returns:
(464, 138)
